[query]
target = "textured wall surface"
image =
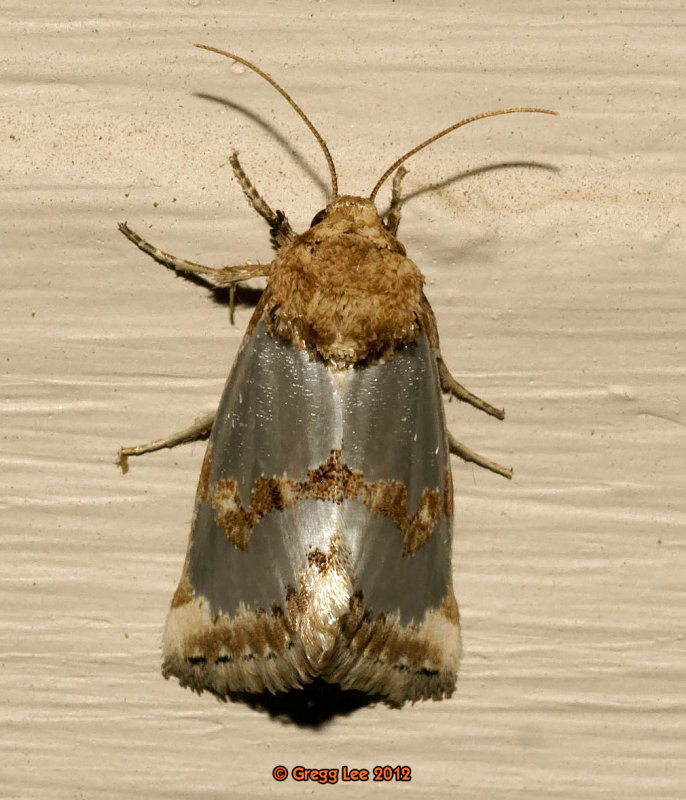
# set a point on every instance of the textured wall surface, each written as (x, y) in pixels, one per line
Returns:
(553, 250)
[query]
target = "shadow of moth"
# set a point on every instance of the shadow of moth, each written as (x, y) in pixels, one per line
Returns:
(321, 538)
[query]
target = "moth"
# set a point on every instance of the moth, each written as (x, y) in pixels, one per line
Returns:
(321, 538)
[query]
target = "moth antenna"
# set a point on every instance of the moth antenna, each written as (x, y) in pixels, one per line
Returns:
(426, 143)
(291, 101)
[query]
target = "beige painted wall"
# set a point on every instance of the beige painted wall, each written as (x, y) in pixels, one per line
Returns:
(559, 291)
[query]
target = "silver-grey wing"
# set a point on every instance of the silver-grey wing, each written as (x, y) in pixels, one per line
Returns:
(321, 539)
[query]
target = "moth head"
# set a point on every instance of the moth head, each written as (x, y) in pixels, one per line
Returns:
(347, 211)
(346, 215)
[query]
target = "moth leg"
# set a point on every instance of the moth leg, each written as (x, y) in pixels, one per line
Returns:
(216, 277)
(456, 389)
(280, 229)
(461, 450)
(200, 429)
(394, 212)
(448, 384)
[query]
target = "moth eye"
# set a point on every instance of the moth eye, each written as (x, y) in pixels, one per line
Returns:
(319, 217)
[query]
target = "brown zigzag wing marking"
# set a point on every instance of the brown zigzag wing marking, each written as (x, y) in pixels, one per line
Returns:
(331, 481)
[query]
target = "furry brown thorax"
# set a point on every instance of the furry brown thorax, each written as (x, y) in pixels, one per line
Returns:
(345, 290)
